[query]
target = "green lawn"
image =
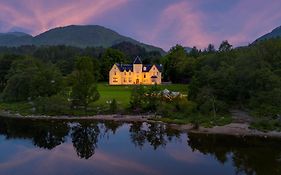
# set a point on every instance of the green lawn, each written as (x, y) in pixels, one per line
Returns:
(122, 93)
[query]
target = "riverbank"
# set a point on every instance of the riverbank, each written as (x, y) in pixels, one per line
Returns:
(234, 129)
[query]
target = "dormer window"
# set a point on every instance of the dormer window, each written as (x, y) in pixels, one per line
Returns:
(144, 68)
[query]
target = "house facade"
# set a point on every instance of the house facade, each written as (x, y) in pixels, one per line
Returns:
(136, 73)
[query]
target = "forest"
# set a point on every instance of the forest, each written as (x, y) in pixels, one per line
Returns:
(53, 79)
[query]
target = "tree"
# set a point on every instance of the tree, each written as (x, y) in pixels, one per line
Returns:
(137, 98)
(194, 52)
(211, 48)
(5, 65)
(225, 46)
(174, 65)
(113, 106)
(84, 88)
(30, 78)
(152, 98)
(110, 57)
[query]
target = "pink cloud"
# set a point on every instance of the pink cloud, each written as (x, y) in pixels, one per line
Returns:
(255, 20)
(189, 24)
(38, 18)
(182, 24)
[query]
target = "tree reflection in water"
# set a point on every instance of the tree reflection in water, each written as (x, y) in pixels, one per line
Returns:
(250, 155)
(154, 133)
(85, 138)
(44, 134)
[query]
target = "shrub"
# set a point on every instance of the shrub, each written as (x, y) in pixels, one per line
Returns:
(54, 105)
(137, 98)
(166, 109)
(113, 106)
(267, 104)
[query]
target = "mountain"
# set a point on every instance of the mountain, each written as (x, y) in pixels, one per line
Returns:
(273, 34)
(74, 35)
(15, 39)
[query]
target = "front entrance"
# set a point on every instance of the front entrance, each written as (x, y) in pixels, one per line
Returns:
(137, 81)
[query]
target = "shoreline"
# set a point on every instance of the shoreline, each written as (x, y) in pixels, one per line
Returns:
(233, 129)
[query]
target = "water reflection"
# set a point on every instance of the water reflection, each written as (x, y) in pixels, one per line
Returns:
(84, 134)
(246, 155)
(250, 155)
(44, 134)
(85, 138)
(155, 134)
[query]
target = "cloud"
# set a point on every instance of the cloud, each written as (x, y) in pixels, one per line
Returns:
(198, 23)
(38, 16)
(253, 20)
(180, 23)
(161, 23)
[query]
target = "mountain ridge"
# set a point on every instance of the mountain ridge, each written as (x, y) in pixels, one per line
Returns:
(273, 34)
(73, 35)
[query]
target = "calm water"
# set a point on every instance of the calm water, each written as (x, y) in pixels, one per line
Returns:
(60, 147)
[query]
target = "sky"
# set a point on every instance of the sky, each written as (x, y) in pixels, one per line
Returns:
(162, 23)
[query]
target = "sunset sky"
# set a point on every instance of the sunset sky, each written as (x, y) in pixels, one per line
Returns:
(163, 23)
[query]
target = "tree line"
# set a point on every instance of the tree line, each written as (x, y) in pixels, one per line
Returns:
(247, 78)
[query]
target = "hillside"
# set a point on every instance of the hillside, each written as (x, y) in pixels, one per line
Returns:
(273, 34)
(74, 35)
(15, 39)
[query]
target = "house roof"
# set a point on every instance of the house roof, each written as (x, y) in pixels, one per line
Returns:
(145, 67)
(137, 60)
(126, 67)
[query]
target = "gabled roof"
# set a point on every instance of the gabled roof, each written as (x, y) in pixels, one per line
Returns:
(126, 67)
(145, 68)
(137, 60)
(159, 67)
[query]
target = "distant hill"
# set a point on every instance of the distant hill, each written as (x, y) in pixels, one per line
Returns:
(74, 35)
(273, 34)
(15, 39)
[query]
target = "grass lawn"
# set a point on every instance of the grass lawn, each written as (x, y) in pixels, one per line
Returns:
(122, 93)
